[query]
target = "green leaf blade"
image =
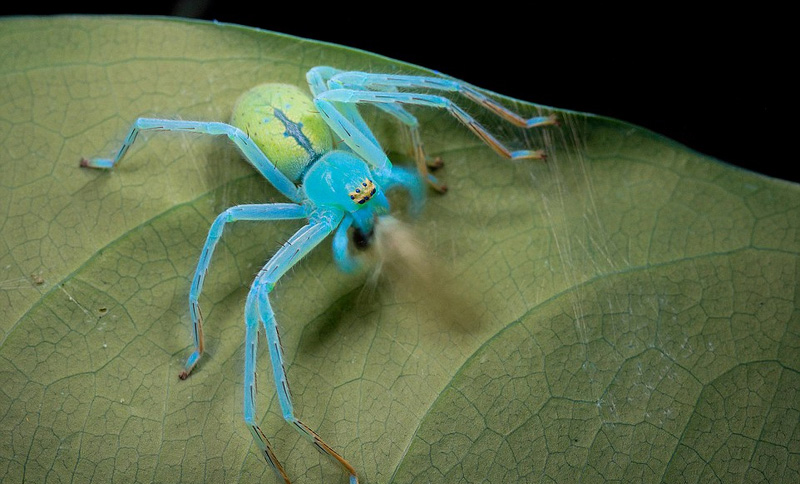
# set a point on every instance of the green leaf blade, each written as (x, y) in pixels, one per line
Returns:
(626, 311)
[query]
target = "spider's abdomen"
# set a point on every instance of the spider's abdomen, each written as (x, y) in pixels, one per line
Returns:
(283, 122)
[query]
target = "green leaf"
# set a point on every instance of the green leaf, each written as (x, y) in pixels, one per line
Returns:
(626, 311)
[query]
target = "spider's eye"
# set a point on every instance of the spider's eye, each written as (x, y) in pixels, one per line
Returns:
(364, 192)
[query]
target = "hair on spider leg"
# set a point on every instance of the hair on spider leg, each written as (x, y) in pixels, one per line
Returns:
(399, 258)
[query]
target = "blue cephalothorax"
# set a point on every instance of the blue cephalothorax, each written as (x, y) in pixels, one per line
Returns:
(287, 137)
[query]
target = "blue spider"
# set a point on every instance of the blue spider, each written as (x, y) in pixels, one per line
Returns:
(336, 187)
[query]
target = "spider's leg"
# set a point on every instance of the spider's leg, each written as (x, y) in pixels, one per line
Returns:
(341, 254)
(345, 96)
(413, 126)
(262, 212)
(409, 181)
(251, 387)
(339, 118)
(318, 78)
(382, 82)
(298, 246)
(248, 148)
(423, 164)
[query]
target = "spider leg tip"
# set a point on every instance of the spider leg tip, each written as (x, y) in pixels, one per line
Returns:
(436, 163)
(99, 163)
(438, 187)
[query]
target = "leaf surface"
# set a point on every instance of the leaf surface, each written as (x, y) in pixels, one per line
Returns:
(626, 311)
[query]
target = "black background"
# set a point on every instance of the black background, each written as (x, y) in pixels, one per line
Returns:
(714, 81)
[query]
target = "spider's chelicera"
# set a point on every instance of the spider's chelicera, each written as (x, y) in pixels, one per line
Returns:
(335, 187)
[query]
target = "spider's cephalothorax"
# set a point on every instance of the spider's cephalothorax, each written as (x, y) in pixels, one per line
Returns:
(287, 137)
(341, 179)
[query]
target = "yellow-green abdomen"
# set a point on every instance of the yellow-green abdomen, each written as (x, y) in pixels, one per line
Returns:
(283, 122)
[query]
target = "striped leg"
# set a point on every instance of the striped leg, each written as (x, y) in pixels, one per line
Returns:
(318, 78)
(258, 308)
(424, 165)
(251, 389)
(261, 212)
(384, 82)
(327, 102)
(248, 148)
